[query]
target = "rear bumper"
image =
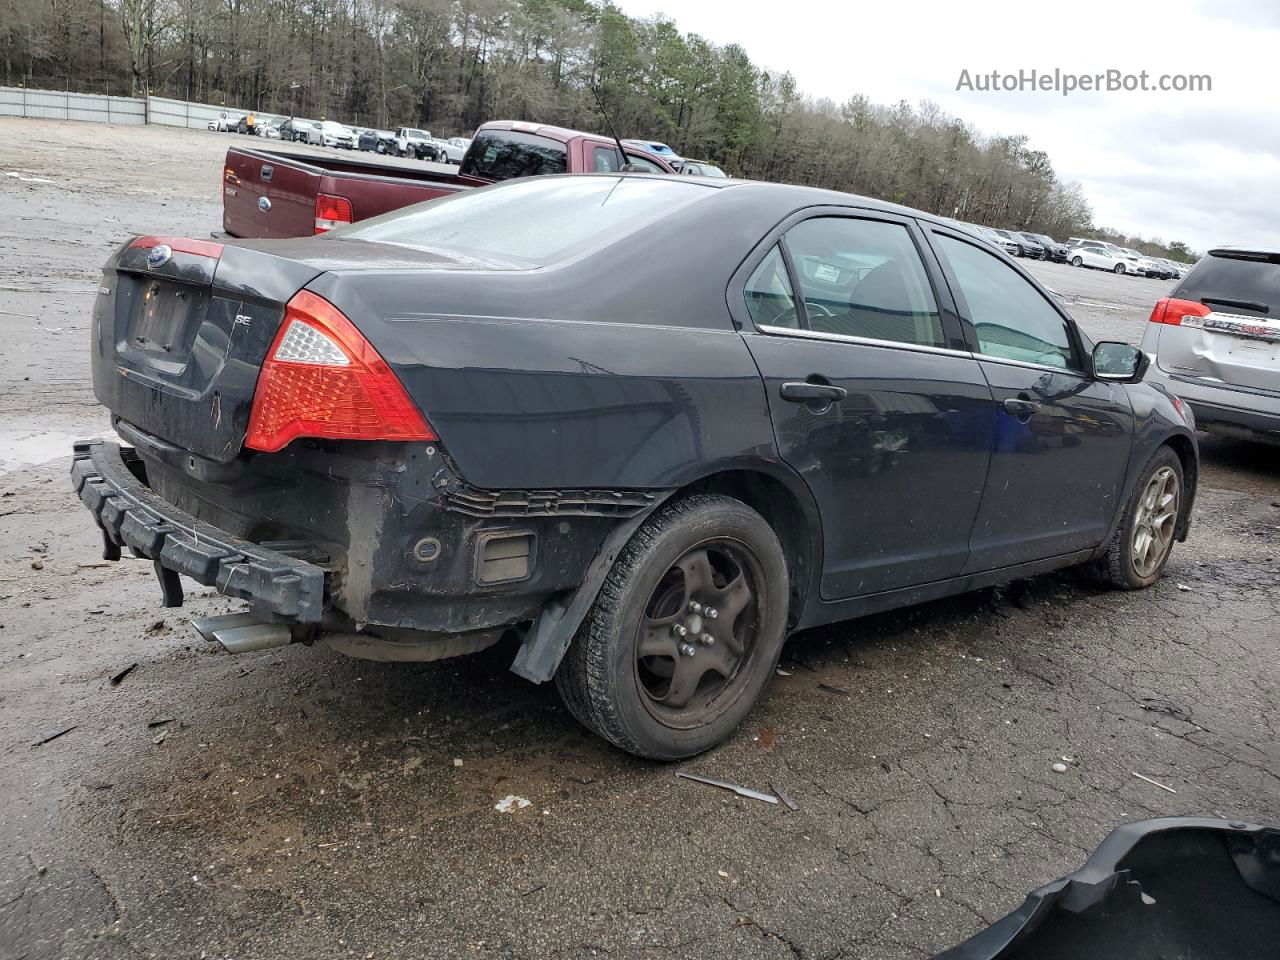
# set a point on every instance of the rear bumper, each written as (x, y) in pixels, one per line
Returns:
(1229, 411)
(276, 585)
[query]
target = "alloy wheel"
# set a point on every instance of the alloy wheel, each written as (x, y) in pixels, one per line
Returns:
(1154, 521)
(697, 632)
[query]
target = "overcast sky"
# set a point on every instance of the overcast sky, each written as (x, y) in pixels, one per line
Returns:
(1199, 167)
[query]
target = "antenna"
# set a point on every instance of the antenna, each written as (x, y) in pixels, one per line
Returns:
(627, 166)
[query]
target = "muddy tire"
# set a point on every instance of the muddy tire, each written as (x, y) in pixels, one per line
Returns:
(1143, 539)
(685, 632)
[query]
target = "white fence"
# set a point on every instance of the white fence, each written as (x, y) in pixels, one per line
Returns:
(96, 108)
(61, 105)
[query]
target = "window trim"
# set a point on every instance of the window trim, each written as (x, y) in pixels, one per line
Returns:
(735, 293)
(1077, 366)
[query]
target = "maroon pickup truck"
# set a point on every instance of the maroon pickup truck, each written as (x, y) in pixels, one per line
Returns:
(270, 193)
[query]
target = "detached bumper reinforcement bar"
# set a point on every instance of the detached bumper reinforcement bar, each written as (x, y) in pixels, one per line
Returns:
(277, 586)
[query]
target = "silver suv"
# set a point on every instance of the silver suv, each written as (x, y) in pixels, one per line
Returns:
(1215, 342)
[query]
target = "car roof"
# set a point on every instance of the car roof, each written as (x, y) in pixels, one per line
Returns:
(1261, 251)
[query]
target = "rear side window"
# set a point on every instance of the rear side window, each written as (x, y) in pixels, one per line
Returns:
(1012, 320)
(1235, 285)
(506, 154)
(534, 221)
(770, 300)
(863, 278)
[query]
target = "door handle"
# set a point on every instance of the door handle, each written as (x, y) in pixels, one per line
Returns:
(803, 392)
(1021, 407)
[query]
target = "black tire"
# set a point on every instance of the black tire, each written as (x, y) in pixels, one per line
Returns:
(1118, 566)
(607, 684)
(1119, 268)
(1077, 262)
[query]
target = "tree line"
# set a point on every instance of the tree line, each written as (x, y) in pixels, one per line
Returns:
(449, 65)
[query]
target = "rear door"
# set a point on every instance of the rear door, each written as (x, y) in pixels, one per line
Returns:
(1062, 439)
(1238, 344)
(874, 400)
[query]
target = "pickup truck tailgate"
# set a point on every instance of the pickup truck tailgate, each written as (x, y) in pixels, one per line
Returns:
(274, 195)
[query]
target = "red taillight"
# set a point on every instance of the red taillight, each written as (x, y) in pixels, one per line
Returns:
(331, 212)
(322, 378)
(1171, 310)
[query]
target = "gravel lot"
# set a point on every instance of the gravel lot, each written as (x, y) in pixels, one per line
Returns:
(295, 804)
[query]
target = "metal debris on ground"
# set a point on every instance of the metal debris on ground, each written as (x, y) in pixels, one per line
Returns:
(55, 736)
(115, 680)
(1154, 783)
(828, 688)
(725, 785)
(783, 796)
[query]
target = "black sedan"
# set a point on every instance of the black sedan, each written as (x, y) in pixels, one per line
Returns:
(642, 427)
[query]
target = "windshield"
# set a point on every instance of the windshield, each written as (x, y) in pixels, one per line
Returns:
(539, 221)
(417, 133)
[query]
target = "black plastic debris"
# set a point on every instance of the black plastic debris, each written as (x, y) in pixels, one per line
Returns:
(1178, 887)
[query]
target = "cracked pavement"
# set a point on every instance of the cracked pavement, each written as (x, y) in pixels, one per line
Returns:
(293, 803)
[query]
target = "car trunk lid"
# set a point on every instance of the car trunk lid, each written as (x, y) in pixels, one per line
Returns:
(180, 330)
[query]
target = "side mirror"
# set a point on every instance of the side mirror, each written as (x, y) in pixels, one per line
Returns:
(1119, 363)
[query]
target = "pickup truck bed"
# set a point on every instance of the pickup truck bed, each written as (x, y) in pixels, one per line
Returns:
(278, 193)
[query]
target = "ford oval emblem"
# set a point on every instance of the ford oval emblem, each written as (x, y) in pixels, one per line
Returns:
(160, 254)
(264, 204)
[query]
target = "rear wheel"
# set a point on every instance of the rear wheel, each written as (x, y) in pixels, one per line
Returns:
(1143, 540)
(685, 633)
(1119, 268)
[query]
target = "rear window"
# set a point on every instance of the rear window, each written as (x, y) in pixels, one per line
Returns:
(535, 221)
(506, 154)
(1235, 285)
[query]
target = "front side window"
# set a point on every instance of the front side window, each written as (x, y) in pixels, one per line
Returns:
(506, 154)
(1012, 320)
(770, 299)
(864, 278)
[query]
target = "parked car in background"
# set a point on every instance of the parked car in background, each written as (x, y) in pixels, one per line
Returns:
(659, 149)
(646, 484)
(269, 129)
(1055, 251)
(1095, 256)
(453, 149)
(1002, 239)
(1032, 245)
(225, 123)
(376, 141)
(700, 168)
(1127, 259)
(412, 142)
(297, 130)
(334, 134)
(306, 194)
(1215, 342)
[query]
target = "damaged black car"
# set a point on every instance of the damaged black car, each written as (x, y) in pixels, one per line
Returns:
(649, 425)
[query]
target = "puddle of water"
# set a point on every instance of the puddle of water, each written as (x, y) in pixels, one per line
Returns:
(25, 448)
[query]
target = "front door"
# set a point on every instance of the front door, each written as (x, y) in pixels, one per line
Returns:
(1062, 439)
(888, 424)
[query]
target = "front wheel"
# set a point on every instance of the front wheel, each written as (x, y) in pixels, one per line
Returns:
(1076, 261)
(685, 633)
(1143, 540)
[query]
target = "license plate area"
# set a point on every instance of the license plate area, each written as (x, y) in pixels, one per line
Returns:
(163, 319)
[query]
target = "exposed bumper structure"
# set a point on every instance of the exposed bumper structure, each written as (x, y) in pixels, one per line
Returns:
(277, 586)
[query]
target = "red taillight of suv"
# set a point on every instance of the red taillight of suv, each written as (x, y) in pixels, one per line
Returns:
(331, 211)
(322, 378)
(1171, 310)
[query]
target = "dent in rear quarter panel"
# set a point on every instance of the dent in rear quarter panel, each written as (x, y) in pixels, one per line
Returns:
(552, 403)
